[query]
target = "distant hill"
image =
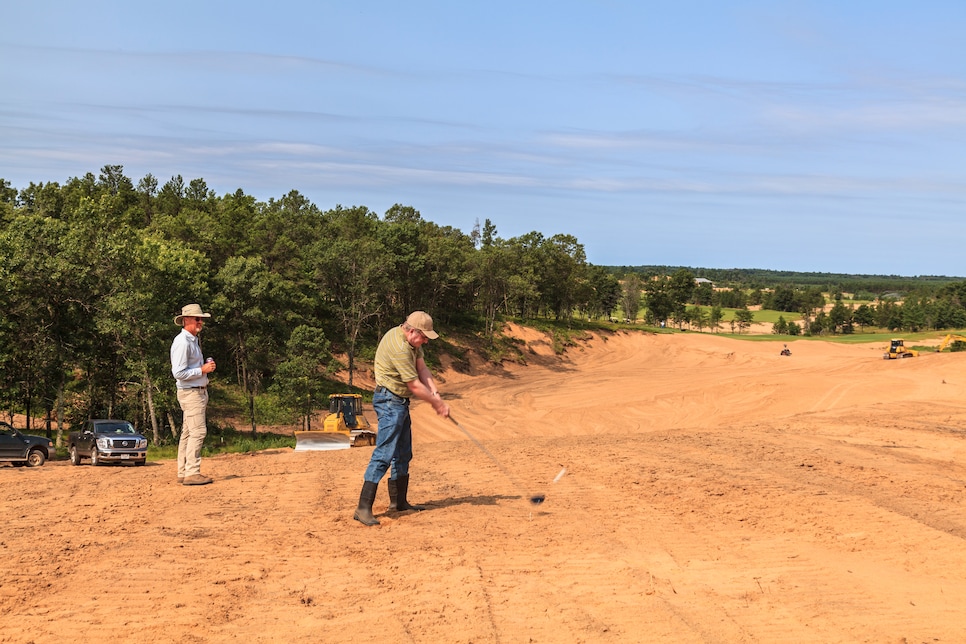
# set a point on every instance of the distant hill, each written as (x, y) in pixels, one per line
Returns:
(764, 278)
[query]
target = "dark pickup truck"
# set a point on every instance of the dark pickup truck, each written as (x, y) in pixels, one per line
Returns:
(23, 449)
(107, 441)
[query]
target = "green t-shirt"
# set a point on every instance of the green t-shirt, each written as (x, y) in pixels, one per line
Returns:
(396, 362)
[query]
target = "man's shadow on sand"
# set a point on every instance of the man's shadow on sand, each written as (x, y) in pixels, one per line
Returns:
(441, 504)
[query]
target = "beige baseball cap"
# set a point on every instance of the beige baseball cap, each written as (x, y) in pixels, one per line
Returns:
(421, 320)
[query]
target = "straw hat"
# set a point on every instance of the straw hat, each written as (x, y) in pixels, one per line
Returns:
(194, 311)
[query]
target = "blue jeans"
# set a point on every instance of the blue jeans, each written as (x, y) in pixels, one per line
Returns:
(394, 440)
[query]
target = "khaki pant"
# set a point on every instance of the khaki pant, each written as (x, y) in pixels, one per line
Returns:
(193, 430)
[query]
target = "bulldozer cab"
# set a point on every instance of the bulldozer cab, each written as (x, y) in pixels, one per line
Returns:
(896, 346)
(348, 406)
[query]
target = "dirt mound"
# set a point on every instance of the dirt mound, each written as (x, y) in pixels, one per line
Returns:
(698, 489)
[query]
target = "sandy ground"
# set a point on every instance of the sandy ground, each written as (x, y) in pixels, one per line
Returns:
(714, 492)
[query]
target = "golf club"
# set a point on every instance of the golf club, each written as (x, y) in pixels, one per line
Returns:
(535, 499)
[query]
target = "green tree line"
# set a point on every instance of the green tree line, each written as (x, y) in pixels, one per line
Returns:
(865, 287)
(914, 304)
(95, 269)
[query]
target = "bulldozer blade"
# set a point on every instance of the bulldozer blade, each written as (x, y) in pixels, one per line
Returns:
(321, 441)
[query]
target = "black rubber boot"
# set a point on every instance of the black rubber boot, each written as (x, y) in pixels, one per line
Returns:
(398, 489)
(363, 513)
(393, 495)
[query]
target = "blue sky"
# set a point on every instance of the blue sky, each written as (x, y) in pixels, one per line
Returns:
(806, 136)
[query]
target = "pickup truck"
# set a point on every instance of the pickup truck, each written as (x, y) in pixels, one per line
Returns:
(23, 449)
(107, 441)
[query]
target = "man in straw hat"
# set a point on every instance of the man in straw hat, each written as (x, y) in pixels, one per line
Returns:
(401, 373)
(191, 370)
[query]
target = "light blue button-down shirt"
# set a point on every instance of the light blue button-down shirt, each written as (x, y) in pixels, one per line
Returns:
(186, 361)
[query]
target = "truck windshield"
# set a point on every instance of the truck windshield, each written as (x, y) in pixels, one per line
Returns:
(119, 428)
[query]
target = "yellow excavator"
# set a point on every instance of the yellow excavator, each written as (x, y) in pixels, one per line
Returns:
(344, 427)
(951, 338)
(897, 349)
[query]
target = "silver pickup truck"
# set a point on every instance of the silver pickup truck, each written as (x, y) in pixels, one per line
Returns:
(107, 441)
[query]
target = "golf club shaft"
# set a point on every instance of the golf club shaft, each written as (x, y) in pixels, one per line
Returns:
(496, 462)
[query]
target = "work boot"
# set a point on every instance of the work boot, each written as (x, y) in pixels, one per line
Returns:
(397, 495)
(196, 479)
(367, 497)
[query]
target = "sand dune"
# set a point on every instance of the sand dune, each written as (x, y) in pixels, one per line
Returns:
(698, 489)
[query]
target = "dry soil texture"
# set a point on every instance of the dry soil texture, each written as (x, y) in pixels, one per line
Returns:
(714, 491)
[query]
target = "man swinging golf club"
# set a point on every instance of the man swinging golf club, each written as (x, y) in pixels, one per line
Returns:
(401, 373)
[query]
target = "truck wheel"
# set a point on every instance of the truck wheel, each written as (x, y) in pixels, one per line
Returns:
(35, 458)
(95, 457)
(75, 458)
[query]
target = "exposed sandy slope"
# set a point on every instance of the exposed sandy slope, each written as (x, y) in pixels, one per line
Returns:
(714, 492)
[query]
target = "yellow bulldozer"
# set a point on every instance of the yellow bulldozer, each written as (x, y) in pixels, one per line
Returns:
(344, 427)
(951, 338)
(897, 349)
